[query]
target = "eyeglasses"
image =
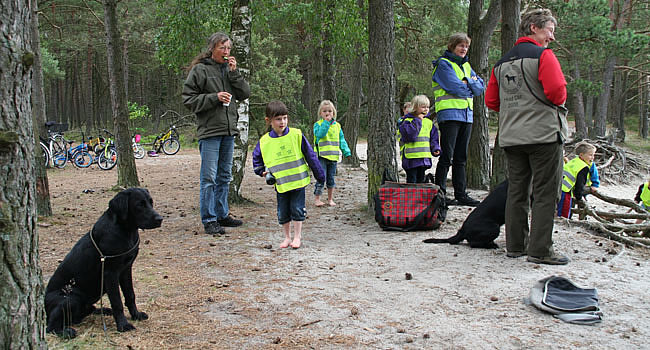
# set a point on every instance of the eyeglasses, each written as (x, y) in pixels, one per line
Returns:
(223, 48)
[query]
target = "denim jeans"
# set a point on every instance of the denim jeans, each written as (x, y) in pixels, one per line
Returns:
(454, 140)
(291, 206)
(329, 166)
(216, 174)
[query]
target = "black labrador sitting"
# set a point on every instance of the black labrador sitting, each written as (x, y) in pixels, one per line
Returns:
(75, 285)
(483, 224)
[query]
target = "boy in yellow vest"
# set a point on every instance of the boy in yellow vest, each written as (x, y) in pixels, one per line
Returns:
(329, 139)
(576, 177)
(287, 155)
(643, 196)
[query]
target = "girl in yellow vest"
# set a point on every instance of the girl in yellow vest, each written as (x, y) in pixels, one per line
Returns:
(287, 155)
(643, 196)
(576, 177)
(419, 137)
(330, 142)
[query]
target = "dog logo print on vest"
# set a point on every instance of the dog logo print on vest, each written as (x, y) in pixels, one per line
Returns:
(514, 78)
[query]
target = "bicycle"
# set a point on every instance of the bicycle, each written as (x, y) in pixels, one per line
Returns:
(54, 147)
(168, 142)
(107, 157)
(138, 150)
(80, 155)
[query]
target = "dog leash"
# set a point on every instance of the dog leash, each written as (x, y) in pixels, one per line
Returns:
(103, 258)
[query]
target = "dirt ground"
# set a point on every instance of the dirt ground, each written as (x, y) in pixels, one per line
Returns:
(346, 288)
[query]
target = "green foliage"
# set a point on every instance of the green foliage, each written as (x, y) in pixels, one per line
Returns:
(186, 26)
(50, 65)
(138, 111)
(274, 78)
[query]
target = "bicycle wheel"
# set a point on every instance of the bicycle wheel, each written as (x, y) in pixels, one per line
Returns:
(138, 151)
(46, 154)
(59, 155)
(107, 159)
(82, 159)
(171, 146)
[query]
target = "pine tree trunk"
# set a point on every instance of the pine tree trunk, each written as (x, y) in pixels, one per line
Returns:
(603, 99)
(619, 104)
(22, 315)
(353, 115)
(240, 29)
(480, 30)
(644, 103)
(43, 206)
(509, 27)
(329, 67)
(382, 154)
(579, 106)
(127, 175)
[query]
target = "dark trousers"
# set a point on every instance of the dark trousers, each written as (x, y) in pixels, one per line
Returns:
(415, 175)
(536, 170)
(454, 140)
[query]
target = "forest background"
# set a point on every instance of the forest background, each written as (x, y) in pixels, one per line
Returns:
(305, 51)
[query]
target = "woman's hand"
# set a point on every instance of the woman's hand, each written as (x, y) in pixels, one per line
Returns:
(224, 97)
(232, 63)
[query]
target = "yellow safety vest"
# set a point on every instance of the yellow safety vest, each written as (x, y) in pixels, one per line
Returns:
(421, 148)
(645, 195)
(283, 157)
(571, 170)
(328, 147)
(445, 100)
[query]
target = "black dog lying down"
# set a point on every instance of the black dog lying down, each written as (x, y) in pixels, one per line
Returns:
(75, 285)
(483, 224)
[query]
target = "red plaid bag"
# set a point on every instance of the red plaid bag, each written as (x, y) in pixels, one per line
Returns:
(409, 207)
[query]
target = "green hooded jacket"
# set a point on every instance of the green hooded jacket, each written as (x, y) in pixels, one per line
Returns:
(200, 89)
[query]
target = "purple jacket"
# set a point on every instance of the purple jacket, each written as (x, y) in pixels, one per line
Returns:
(310, 156)
(409, 131)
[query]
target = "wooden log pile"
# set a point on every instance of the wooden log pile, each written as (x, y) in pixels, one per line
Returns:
(614, 225)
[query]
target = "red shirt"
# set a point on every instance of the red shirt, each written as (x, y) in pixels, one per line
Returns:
(550, 76)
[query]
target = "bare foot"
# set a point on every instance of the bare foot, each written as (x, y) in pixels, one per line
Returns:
(331, 203)
(319, 203)
(296, 243)
(285, 243)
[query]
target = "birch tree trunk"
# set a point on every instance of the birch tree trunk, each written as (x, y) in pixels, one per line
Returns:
(382, 154)
(480, 28)
(240, 32)
(127, 175)
(22, 315)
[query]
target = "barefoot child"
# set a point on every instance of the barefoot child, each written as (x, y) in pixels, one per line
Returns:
(286, 154)
(329, 139)
(420, 138)
(576, 176)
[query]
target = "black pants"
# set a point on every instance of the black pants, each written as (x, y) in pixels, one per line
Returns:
(454, 140)
(415, 175)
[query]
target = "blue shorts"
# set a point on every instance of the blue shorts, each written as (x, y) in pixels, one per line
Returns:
(291, 206)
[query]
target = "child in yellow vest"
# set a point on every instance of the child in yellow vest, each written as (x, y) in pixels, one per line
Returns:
(643, 196)
(330, 142)
(420, 140)
(286, 155)
(576, 177)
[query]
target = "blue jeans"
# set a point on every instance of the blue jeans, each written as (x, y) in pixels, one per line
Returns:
(291, 206)
(216, 174)
(329, 166)
(454, 140)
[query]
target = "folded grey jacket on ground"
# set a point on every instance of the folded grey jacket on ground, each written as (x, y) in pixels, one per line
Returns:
(568, 302)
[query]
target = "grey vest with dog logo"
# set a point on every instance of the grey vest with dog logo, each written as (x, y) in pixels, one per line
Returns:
(526, 115)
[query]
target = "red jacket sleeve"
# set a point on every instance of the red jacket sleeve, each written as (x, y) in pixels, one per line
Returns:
(552, 78)
(492, 93)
